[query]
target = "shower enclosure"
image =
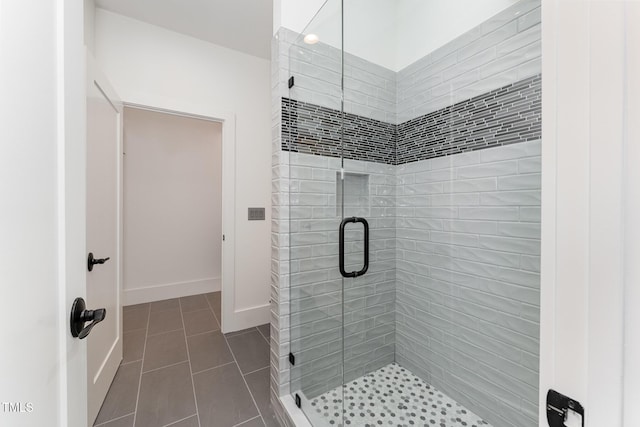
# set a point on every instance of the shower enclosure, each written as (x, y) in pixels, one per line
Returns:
(409, 213)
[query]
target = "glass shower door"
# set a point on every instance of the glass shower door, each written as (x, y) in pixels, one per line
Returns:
(312, 135)
(369, 220)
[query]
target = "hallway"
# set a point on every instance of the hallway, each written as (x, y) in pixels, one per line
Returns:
(178, 369)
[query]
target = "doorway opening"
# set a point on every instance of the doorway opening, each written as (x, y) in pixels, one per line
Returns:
(177, 257)
(179, 195)
(172, 206)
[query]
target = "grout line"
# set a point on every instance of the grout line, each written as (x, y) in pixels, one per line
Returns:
(202, 333)
(113, 419)
(243, 378)
(250, 419)
(258, 328)
(214, 312)
(263, 336)
(193, 385)
(243, 332)
(144, 350)
(259, 369)
(208, 307)
(164, 309)
(133, 330)
(166, 366)
(213, 367)
(185, 418)
(164, 332)
(130, 362)
(197, 309)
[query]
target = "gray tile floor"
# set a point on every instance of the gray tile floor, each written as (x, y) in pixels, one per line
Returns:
(179, 370)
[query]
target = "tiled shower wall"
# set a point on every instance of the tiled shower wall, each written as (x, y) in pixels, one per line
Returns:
(500, 52)
(279, 337)
(316, 292)
(317, 71)
(467, 290)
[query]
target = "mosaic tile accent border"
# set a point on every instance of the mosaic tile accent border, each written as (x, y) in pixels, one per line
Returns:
(392, 395)
(503, 116)
(312, 129)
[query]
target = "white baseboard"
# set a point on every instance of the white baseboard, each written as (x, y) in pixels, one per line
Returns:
(246, 318)
(170, 290)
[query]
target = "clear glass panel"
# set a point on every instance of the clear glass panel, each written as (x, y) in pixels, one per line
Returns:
(312, 134)
(425, 122)
(442, 156)
(369, 188)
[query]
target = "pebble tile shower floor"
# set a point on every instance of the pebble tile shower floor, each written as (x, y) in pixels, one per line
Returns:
(390, 396)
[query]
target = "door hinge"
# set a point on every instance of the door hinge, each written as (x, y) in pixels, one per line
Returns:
(298, 401)
(291, 82)
(292, 359)
(223, 237)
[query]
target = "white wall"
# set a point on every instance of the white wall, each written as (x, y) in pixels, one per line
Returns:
(152, 66)
(390, 34)
(90, 25)
(172, 206)
(294, 14)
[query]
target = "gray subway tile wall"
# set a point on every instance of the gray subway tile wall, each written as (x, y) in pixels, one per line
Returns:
(453, 294)
(317, 71)
(454, 277)
(316, 288)
(461, 294)
(497, 53)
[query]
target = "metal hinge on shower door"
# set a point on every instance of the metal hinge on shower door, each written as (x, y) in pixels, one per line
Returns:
(292, 361)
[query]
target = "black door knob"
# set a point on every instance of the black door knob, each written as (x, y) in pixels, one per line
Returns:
(91, 261)
(80, 315)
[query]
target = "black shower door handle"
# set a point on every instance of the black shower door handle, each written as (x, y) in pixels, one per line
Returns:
(366, 246)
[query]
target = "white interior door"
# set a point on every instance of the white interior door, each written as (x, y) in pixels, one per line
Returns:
(104, 184)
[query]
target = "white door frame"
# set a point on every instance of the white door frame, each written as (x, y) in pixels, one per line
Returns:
(99, 385)
(583, 176)
(631, 416)
(228, 121)
(71, 144)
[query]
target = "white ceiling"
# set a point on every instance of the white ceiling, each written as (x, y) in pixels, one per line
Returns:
(243, 25)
